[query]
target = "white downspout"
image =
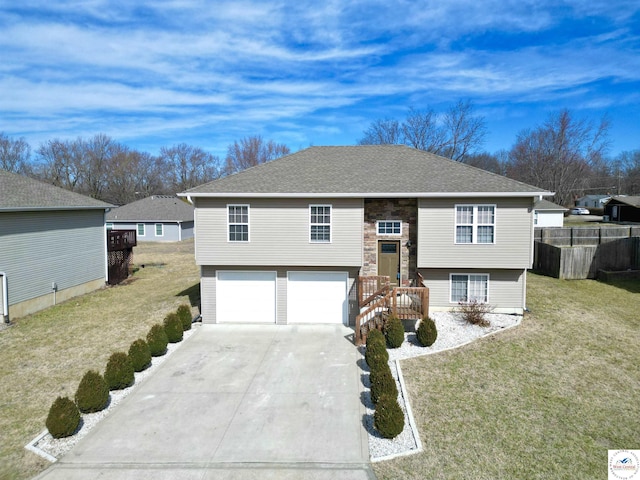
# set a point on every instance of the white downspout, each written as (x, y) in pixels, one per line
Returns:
(5, 297)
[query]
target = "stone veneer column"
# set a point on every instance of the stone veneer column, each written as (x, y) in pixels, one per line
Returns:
(402, 209)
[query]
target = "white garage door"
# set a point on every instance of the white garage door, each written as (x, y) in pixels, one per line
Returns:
(246, 297)
(317, 297)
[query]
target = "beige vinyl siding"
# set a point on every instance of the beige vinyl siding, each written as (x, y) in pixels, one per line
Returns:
(506, 288)
(513, 247)
(208, 289)
(279, 233)
(40, 248)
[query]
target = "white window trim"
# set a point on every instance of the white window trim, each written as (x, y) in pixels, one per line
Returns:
(248, 222)
(144, 229)
(109, 225)
(155, 229)
(388, 234)
(475, 225)
(330, 224)
(468, 275)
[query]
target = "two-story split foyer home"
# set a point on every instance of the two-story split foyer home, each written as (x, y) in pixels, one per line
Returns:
(285, 241)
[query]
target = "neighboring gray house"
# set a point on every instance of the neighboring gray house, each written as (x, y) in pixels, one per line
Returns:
(159, 218)
(52, 244)
(284, 242)
(548, 214)
(593, 201)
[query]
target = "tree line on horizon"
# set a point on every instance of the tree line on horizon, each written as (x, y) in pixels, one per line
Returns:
(564, 154)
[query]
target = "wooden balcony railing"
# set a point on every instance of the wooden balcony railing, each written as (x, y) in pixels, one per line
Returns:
(120, 240)
(377, 301)
(369, 288)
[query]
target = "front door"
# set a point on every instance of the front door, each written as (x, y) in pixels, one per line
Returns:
(389, 260)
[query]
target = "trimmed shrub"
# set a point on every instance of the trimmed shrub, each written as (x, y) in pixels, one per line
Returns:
(92, 394)
(474, 312)
(63, 418)
(184, 314)
(394, 331)
(375, 335)
(376, 355)
(388, 418)
(157, 340)
(427, 332)
(382, 383)
(173, 328)
(119, 371)
(140, 355)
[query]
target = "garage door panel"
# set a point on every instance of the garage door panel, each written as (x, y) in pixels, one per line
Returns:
(246, 297)
(317, 297)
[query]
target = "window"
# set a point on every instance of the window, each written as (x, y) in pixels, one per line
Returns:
(109, 226)
(238, 223)
(159, 230)
(141, 229)
(320, 223)
(388, 227)
(467, 288)
(475, 223)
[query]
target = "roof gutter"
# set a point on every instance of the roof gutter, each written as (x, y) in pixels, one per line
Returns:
(49, 209)
(364, 195)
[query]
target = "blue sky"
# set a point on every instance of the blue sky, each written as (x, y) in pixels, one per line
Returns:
(155, 73)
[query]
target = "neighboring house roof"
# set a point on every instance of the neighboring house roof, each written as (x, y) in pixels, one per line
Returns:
(20, 193)
(364, 171)
(157, 208)
(627, 200)
(546, 205)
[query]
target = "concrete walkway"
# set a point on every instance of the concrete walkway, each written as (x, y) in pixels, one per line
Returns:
(237, 402)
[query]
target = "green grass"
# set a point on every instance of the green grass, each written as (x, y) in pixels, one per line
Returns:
(545, 400)
(46, 354)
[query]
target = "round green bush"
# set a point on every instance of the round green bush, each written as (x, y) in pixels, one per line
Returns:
(394, 331)
(119, 371)
(427, 332)
(92, 394)
(184, 314)
(173, 328)
(157, 340)
(140, 355)
(382, 383)
(376, 355)
(63, 418)
(374, 336)
(388, 418)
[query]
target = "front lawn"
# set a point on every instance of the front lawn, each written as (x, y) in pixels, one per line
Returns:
(545, 400)
(46, 354)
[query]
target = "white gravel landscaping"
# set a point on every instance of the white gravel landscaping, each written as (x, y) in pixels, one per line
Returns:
(453, 332)
(53, 448)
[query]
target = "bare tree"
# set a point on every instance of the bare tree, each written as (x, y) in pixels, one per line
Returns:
(189, 166)
(454, 134)
(559, 155)
(251, 151)
(625, 175)
(60, 163)
(14, 154)
(382, 132)
(486, 161)
(97, 153)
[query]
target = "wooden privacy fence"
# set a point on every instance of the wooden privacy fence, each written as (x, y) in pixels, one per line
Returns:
(580, 262)
(120, 245)
(573, 236)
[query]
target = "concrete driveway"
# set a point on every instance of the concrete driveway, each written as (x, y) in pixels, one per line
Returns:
(236, 402)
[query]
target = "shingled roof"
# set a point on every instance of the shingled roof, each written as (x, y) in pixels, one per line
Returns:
(157, 208)
(20, 193)
(367, 170)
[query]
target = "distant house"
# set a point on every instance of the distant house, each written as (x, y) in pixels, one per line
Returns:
(286, 241)
(592, 201)
(52, 244)
(623, 209)
(548, 214)
(159, 218)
